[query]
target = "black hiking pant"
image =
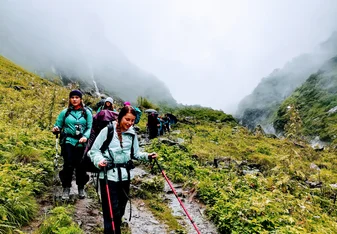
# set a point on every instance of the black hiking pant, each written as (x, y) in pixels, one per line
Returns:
(72, 157)
(153, 132)
(118, 198)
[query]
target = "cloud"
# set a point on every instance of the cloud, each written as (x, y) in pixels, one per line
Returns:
(212, 53)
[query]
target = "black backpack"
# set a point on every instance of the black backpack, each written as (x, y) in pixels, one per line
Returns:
(86, 162)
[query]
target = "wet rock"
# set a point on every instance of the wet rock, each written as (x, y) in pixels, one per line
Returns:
(217, 161)
(154, 221)
(180, 140)
(314, 184)
(171, 143)
(18, 88)
(194, 156)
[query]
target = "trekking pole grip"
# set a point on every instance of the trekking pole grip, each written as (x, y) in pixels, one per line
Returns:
(156, 161)
(105, 175)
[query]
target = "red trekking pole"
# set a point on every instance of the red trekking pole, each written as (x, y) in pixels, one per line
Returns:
(109, 201)
(175, 193)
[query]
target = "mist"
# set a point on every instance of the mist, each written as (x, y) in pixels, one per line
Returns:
(212, 53)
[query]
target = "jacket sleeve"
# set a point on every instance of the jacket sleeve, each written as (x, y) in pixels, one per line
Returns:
(60, 119)
(89, 124)
(95, 153)
(137, 153)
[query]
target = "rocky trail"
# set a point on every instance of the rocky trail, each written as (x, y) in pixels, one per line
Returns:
(88, 214)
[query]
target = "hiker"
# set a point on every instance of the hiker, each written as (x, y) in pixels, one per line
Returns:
(138, 112)
(167, 121)
(152, 124)
(160, 126)
(74, 123)
(117, 160)
(108, 105)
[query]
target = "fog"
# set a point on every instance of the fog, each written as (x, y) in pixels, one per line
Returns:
(211, 53)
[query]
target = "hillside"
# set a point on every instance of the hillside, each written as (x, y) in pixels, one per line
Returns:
(261, 105)
(316, 102)
(249, 183)
(29, 105)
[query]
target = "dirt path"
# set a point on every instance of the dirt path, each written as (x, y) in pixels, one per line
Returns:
(88, 213)
(144, 222)
(193, 207)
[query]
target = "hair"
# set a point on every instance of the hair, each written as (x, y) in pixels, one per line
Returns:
(122, 113)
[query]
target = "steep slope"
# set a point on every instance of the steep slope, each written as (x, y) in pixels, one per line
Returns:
(29, 105)
(260, 106)
(316, 102)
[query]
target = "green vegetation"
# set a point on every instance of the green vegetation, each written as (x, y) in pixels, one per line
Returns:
(264, 185)
(60, 221)
(203, 113)
(313, 101)
(276, 199)
(29, 106)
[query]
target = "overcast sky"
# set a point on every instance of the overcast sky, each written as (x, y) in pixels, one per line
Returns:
(211, 52)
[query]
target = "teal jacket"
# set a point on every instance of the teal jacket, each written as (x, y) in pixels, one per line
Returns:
(120, 155)
(74, 118)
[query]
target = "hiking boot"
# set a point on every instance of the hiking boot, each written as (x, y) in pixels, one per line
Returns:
(81, 193)
(66, 192)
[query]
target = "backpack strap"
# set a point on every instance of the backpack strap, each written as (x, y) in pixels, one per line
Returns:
(109, 137)
(132, 155)
(68, 112)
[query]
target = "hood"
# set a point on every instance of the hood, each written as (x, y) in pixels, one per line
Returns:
(109, 99)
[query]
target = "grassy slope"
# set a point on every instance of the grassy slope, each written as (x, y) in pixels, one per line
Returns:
(26, 143)
(277, 200)
(313, 100)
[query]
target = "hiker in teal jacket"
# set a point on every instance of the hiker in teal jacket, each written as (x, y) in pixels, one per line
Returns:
(118, 161)
(74, 123)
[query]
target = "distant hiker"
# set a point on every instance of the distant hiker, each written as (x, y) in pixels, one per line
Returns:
(138, 112)
(160, 126)
(99, 104)
(167, 121)
(117, 161)
(152, 124)
(74, 123)
(108, 105)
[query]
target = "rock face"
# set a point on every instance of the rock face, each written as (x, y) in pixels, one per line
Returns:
(260, 106)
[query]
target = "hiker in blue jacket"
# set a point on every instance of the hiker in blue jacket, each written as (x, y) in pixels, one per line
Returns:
(117, 159)
(74, 123)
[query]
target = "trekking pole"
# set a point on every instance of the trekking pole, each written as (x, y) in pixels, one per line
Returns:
(56, 151)
(109, 201)
(175, 193)
(55, 164)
